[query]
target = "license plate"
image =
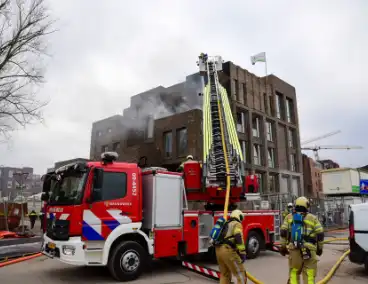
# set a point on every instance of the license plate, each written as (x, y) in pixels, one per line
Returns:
(51, 245)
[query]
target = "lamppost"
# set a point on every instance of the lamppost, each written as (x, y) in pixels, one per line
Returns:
(20, 177)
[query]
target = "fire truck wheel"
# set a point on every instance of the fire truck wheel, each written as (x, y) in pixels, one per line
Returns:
(127, 261)
(254, 243)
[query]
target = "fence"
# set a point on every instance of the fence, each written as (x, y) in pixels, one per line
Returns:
(331, 211)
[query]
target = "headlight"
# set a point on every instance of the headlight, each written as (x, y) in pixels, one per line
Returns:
(68, 250)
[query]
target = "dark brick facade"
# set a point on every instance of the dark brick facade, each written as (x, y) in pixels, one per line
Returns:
(312, 177)
(268, 130)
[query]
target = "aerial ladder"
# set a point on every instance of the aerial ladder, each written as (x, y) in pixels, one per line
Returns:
(223, 167)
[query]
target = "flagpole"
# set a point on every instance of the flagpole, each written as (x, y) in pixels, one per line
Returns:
(266, 82)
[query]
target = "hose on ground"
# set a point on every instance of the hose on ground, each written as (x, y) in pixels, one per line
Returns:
(329, 274)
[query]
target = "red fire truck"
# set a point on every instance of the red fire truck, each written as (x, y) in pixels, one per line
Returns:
(122, 215)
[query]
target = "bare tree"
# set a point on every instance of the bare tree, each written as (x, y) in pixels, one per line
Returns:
(24, 26)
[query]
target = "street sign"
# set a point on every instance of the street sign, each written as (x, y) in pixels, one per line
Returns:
(364, 186)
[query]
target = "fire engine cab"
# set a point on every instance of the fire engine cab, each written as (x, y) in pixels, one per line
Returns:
(122, 215)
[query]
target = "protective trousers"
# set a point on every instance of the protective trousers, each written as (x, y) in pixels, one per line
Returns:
(230, 264)
(298, 265)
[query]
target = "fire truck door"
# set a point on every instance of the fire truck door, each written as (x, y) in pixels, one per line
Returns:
(110, 206)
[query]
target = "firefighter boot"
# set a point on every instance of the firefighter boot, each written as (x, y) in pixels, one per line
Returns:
(230, 264)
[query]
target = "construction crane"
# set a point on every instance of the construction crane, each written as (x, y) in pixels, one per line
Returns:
(321, 137)
(315, 149)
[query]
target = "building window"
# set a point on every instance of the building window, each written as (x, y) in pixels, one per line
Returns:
(278, 105)
(255, 126)
(257, 154)
(235, 89)
(168, 144)
(291, 138)
(289, 110)
(10, 174)
(260, 181)
(104, 148)
(269, 131)
(271, 157)
(116, 146)
(244, 93)
(292, 162)
(240, 122)
(265, 102)
(99, 133)
(182, 141)
(114, 186)
(272, 112)
(10, 184)
(271, 184)
(150, 127)
(244, 149)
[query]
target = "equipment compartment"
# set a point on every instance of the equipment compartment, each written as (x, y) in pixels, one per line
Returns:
(166, 242)
(162, 199)
(191, 233)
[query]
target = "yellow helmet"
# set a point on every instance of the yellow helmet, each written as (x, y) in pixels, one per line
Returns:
(302, 202)
(237, 214)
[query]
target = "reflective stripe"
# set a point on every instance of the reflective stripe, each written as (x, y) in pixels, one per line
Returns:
(240, 247)
(294, 276)
(311, 276)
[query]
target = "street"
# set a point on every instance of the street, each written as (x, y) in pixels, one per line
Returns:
(269, 267)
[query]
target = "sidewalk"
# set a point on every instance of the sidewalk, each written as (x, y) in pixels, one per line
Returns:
(19, 241)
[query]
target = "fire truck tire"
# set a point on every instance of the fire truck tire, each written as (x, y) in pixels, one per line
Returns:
(254, 244)
(127, 261)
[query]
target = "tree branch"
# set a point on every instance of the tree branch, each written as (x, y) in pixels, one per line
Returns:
(24, 26)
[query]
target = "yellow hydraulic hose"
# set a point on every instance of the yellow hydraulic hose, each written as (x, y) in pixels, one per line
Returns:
(334, 240)
(329, 274)
(226, 162)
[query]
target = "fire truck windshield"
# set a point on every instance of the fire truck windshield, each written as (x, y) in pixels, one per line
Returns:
(67, 188)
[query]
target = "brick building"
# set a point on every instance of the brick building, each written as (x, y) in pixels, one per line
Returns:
(265, 110)
(312, 177)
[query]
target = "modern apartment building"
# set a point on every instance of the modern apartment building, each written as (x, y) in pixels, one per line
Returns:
(9, 183)
(265, 110)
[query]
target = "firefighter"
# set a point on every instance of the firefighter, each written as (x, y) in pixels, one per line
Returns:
(181, 167)
(288, 210)
(32, 218)
(230, 252)
(303, 252)
(41, 216)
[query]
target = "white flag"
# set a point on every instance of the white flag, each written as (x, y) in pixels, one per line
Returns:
(260, 57)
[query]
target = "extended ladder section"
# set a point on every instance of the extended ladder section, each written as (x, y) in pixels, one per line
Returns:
(222, 155)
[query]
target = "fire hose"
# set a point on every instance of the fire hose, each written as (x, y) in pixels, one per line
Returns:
(214, 274)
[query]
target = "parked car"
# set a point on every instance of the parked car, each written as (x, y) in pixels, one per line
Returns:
(358, 234)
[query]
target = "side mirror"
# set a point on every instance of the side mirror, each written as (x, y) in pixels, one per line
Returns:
(97, 178)
(46, 186)
(45, 196)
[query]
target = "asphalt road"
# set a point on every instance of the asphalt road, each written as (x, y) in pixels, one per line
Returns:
(269, 267)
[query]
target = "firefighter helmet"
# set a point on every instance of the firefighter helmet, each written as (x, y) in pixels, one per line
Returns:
(302, 202)
(237, 214)
(290, 205)
(189, 157)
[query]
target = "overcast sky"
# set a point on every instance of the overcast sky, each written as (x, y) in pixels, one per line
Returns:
(107, 51)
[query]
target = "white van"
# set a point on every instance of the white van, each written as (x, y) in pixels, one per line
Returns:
(358, 234)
